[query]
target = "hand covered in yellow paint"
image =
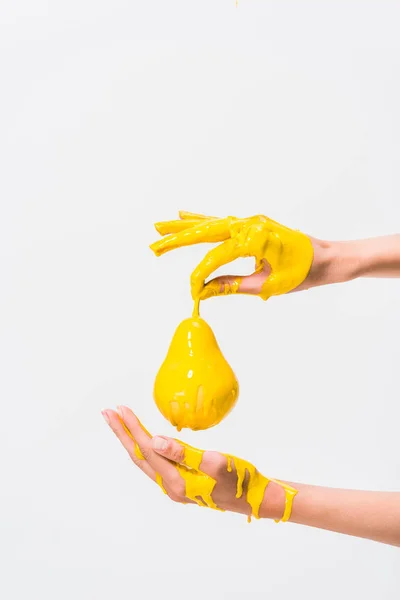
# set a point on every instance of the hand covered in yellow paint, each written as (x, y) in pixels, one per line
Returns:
(283, 257)
(189, 475)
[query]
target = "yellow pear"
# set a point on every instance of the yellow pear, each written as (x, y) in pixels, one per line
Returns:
(195, 386)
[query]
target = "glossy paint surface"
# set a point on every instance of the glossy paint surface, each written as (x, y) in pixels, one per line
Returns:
(195, 386)
(288, 252)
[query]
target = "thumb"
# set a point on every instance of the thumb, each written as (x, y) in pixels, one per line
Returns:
(168, 448)
(222, 286)
(233, 284)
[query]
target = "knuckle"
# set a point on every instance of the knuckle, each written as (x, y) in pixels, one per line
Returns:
(177, 486)
(195, 276)
(134, 457)
(115, 429)
(218, 463)
(177, 453)
(146, 452)
(174, 497)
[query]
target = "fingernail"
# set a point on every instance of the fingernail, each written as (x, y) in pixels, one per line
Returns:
(119, 411)
(159, 443)
(106, 417)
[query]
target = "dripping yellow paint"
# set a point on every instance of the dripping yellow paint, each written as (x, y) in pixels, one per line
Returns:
(288, 252)
(195, 386)
(199, 486)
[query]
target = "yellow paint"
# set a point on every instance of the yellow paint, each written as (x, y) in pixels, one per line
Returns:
(289, 497)
(289, 253)
(139, 453)
(199, 486)
(159, 481)
(136, 448)
(195, 386)
(196, 311)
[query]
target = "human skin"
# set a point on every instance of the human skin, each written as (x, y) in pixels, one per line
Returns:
(340, 262)
(365, 514)
(284, 263)
(336, 262)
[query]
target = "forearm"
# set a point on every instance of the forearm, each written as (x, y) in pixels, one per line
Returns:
(338, 262)
(372, 515)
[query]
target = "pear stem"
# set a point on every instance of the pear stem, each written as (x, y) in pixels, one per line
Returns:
(196, 312)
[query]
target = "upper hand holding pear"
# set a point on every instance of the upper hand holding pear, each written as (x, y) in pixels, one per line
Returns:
(283, 257)
(195, 386)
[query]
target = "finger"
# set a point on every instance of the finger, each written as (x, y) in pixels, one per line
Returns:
(224, 285)
(215, 258)
(128, 442)
(183, 214)
(203, 462)
(208, 231)
(143, 439)
(233, 284)
(168, 227)
(178, 452)
(183, 454)
(169, 448)
(187, 461)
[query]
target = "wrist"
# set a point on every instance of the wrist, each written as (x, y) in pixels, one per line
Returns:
(335, 262)
(273, 504)
(346, 262)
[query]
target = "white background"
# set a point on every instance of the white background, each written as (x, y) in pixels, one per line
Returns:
(115, 114)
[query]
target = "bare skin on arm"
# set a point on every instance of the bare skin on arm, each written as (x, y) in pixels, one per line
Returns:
(286, 261)
(190, 475)
(216, 480)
